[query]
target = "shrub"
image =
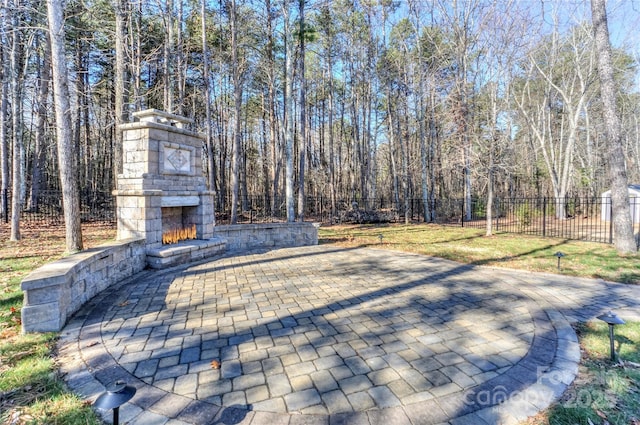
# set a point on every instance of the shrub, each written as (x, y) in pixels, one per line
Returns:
(525, 213)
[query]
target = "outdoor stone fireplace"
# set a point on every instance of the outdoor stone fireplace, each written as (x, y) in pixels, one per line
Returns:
(161, 194)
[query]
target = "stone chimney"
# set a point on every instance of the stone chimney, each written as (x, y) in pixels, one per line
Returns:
(162, 184)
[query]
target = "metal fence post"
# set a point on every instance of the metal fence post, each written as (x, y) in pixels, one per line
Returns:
(462, 213)
(610, 220)
(544, 216)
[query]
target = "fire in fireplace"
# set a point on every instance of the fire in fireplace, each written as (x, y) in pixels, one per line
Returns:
(177, 235)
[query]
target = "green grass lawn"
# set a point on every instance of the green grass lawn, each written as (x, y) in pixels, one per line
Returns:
(32, 392)
(503, 250)
(604, 391)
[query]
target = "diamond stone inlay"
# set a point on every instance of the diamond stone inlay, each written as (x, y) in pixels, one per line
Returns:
(179, 160)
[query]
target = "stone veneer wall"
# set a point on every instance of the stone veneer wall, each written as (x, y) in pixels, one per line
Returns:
(267, 235)
(56, 290)
(162, 168)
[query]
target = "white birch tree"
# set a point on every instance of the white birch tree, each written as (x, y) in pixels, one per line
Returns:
(552, 101)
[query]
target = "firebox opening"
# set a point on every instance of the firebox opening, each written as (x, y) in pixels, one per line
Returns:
(177, 225)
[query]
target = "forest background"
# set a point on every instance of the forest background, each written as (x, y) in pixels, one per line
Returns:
(345, 100)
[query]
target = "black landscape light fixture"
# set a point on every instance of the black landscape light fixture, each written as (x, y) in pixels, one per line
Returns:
(611, 319)
(559, 255)
(115, 397)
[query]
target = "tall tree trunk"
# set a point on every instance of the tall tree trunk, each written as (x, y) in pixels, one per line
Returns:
(237, 96)
(433, 151)
(275, 146)
(420, 116)
(467, 162)
(392, 148)
(211, 162)
(332, 154)
(120, 9)
(41, 120)
(266, 178)
(168, 65)
(288, 114)
(67, 155)
(16, 114)
(244, 192)
(135, 43)
(5, 25)
(179, 77)
(76, 117)
(303, 119)
(621, 212)
(404, 152)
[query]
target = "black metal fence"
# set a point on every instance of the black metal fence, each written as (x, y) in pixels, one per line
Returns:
(578, 218)
(587, 219)
(46, 208)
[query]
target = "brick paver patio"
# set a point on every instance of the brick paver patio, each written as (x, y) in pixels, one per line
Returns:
(327, 335)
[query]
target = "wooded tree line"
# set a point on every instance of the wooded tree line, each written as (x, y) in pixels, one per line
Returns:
(340, 99)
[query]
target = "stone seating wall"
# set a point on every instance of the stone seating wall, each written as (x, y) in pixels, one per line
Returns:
(53, 292)
(242, 237)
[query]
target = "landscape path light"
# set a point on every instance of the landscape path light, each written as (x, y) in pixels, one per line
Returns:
(611, 319)
(115, 397)
(559, 255)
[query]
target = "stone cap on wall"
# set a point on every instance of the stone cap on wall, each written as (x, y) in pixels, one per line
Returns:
(160, 120)
(162, 117)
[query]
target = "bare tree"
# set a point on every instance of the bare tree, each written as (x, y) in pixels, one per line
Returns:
(500, 40)
(303, 118)
(273, 152)
(237, 76)
(288, 111)
(420, 108)
(67, 158)
(4, 93)
(327, 28)
(168, 57)
(17, 79)
(44, 81)
(621, 213)
(553, 101)
(460, 17)
(120, 8)
(211, 162)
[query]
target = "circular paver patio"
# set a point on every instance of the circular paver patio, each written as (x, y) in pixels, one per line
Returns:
(329, 335)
